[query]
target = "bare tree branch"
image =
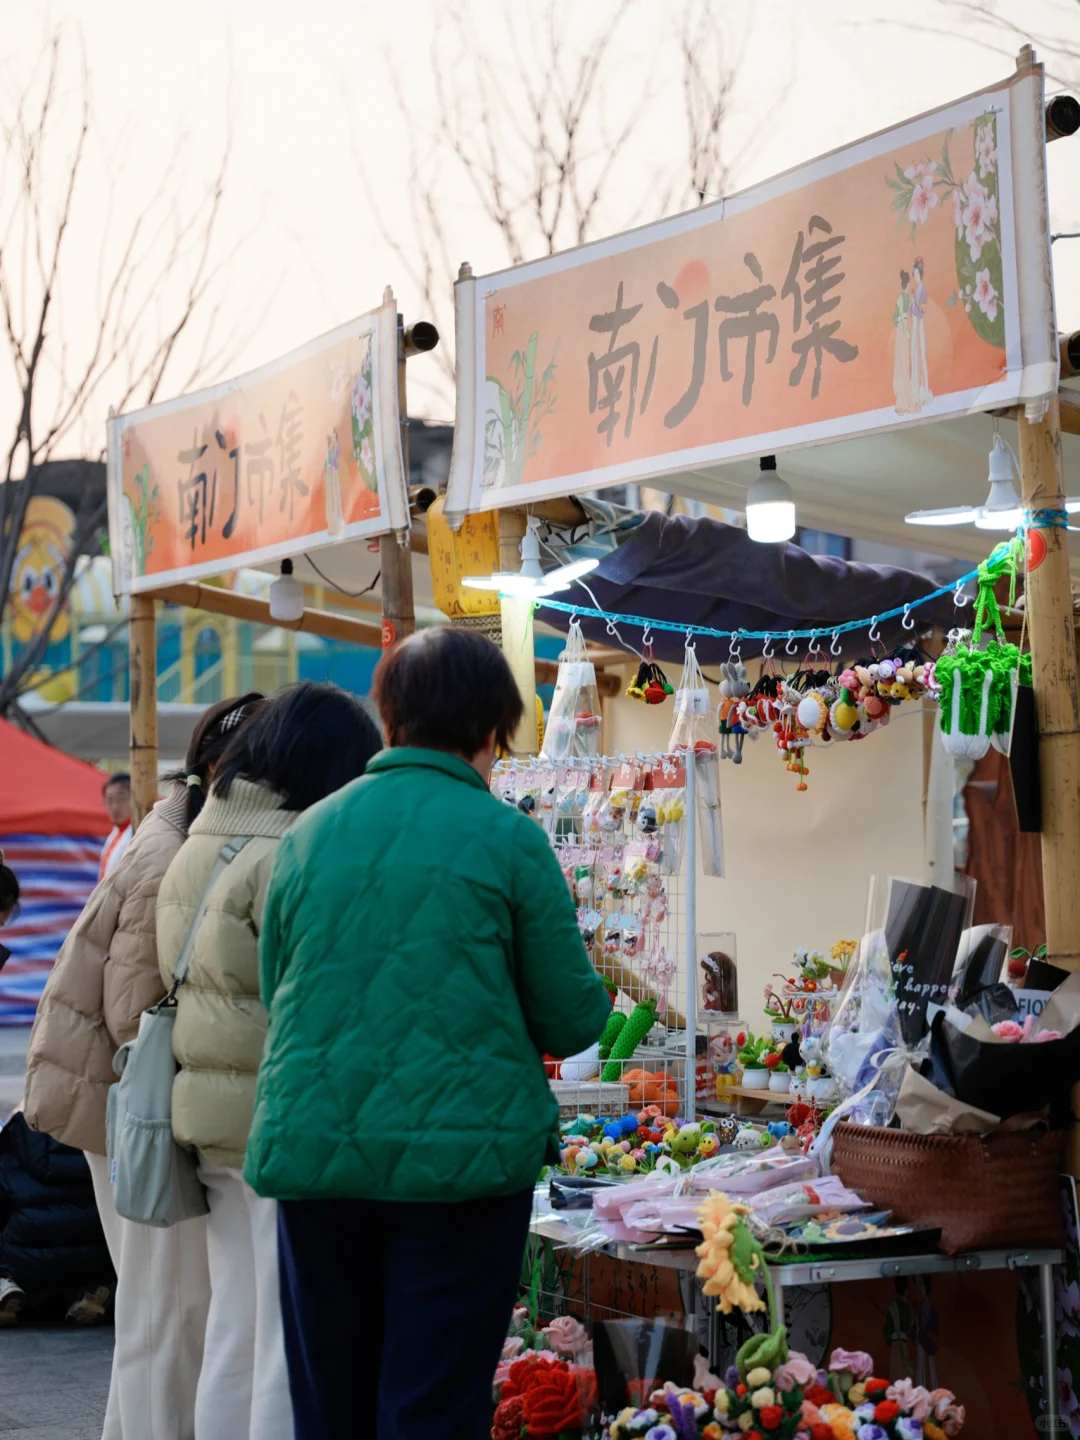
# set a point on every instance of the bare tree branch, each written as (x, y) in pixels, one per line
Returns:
(158, 301)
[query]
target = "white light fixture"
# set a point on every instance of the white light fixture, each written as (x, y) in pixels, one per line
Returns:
(286, 595)
(531, 581)
(1003, 510)
(770, 509)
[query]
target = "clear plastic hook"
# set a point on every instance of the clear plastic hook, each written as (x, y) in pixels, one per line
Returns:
(908, 623)
(875, 633)
(734, 650)
(646, 637)
(791, 648)
(767, 651)
(834, 648)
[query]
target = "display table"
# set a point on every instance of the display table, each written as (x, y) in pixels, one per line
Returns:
(562, 1231)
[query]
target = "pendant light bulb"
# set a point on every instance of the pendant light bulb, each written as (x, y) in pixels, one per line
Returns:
(770, 508)
(286, 595)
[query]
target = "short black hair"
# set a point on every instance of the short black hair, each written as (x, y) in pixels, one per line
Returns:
(213, 733)
(306, 741)
(120, 778)
(447, 688)
(9, 887)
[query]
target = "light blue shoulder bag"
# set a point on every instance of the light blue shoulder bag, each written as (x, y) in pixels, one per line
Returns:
(154, 1179)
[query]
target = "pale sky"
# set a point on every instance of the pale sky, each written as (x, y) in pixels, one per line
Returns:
(310, 85)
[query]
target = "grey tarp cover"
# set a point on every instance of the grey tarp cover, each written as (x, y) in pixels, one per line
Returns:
(702, 572)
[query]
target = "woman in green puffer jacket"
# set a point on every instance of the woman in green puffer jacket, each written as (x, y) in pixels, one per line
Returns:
(420, 954)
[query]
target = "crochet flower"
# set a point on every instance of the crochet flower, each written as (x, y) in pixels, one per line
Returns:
(795, 1373)
(508, 1420)
(566, 1335)
(762, 1397)
(841, 1419)
(913, 1399)
(729, 1264)
(771, 1417)
(1007, 1030)
(949, 1415)
(908, 1428)
(872, 1432)
(858, 1362)
(886, 1411)
(760, 1375)
(558, 1399)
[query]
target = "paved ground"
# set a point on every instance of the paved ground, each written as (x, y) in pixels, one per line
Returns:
(54, 1379)
(54, 1382)
(13, 1040)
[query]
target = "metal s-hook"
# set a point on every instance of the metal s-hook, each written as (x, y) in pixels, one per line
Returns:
(834, 648)
(875, 633)
(791, 648)
(908, 623)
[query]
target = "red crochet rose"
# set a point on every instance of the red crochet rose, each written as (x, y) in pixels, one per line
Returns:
(554, 1403)
(817, 1395)
(876, 1387)
(509, 1418)
(770, 1417)
(528, 1372)
(885, 1411)
(821, 1432)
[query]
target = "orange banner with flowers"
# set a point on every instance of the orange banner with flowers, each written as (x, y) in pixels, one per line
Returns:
(302, 453)
(872, 288)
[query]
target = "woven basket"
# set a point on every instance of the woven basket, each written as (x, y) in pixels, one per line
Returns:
(984, 1192)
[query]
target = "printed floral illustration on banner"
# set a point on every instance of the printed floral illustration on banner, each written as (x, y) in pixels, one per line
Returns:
(516, 412)
(967, 193)
(138, 520)
(363, 418)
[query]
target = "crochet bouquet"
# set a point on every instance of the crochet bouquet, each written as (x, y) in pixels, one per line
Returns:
(771, 1392)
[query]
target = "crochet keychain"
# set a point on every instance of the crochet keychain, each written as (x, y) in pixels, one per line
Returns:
(978, 683)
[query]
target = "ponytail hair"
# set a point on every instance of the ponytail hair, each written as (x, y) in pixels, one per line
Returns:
(214, 731)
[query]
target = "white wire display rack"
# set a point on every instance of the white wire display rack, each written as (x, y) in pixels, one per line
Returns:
(624, 830)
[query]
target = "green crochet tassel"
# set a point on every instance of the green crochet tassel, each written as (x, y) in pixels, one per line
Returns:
(642, 1019)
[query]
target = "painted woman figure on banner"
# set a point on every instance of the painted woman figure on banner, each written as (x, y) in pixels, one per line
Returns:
(920, 379)
(907, 401)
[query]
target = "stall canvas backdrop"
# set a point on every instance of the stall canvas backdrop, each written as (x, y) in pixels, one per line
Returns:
(870, 288)
(302, 453)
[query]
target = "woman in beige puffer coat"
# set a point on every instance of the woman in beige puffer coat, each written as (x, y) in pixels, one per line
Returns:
(306, 743)
(105, 976)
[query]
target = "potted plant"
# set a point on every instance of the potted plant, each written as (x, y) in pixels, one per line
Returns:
(752, 1059)
(842, 953)
(779, 1074)
(779, 1009)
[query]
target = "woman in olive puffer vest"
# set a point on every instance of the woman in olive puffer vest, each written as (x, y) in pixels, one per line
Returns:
(305, 743)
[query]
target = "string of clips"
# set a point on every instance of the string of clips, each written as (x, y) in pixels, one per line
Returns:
(613, 618)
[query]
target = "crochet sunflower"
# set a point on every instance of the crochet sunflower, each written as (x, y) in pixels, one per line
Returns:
(731, 1263)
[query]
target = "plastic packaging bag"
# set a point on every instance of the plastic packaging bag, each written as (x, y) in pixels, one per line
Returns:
(691, 733)
(573, 727)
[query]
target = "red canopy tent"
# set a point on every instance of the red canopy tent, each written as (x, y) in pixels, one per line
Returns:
(52, 821)
(45, 792)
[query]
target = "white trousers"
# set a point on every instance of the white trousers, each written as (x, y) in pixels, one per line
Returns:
(162, 1299)
(243, 1389)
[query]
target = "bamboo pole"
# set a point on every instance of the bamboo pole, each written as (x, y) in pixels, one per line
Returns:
(1057, 691)
(395, 555)
(142, 630)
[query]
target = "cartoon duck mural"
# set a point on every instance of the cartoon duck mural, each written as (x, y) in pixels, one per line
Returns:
(38, 574)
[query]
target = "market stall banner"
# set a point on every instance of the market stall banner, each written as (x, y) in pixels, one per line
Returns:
(901, 279)
(304, 452)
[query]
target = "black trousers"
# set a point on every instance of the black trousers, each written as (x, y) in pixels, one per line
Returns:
(395, 1314)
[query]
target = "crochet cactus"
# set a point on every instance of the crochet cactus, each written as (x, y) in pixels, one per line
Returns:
(641, 1020)
(616, 1020)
